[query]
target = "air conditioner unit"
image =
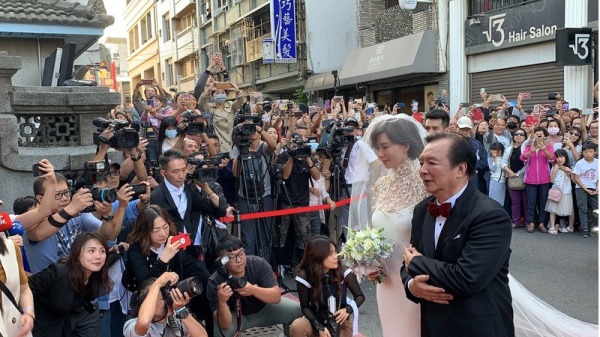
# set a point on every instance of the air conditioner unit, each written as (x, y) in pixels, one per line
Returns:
(115, 55)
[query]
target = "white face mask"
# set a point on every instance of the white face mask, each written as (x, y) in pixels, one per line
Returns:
(553, 131)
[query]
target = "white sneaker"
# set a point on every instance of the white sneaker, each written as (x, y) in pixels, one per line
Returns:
(595, 230)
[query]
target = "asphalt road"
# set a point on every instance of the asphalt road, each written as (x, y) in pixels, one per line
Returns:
(561, 270)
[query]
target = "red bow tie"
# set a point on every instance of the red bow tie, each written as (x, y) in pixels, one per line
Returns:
(444, 209)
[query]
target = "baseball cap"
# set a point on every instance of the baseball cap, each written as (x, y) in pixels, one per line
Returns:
(351, 121)
(464, 122)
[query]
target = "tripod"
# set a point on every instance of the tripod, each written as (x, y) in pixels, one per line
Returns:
(337, 183)
(253, 198)
(279, 188)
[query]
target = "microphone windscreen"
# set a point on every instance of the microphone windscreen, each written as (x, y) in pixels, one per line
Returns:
(5, 222)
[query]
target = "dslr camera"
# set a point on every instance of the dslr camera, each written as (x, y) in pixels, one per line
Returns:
(193, 125)
(340, 136)
(236, 282)
(191, 285)
(125, 136)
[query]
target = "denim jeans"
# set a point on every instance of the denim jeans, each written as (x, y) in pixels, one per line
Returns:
(315, 223)
(586, 204)
(537, 195)
(518, 204)
(112, 321)
(256, 234)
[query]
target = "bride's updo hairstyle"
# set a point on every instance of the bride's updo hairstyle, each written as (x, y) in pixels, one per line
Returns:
(399, 131)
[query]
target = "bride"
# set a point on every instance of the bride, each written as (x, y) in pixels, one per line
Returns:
(393, 191)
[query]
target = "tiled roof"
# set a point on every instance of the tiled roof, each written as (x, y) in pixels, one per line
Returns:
(56, 12)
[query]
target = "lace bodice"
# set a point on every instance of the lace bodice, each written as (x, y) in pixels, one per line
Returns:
(402, 188)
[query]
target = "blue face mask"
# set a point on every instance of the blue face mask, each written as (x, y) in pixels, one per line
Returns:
(220, 98)
(358, 137)
(171, 133)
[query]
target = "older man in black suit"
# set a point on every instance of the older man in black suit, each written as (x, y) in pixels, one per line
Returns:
(457, 264)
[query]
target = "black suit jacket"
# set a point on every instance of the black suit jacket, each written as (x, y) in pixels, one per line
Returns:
(197, 205)
(470, 262)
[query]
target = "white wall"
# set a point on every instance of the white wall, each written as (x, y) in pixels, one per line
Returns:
(331, 33)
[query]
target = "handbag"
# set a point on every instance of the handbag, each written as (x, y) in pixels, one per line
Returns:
(210, 237)
(516, 183)
(554, 194)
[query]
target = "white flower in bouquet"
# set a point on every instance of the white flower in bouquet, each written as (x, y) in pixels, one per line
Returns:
(364, 251)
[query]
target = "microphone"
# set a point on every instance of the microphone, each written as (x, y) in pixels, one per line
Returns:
(5, 222)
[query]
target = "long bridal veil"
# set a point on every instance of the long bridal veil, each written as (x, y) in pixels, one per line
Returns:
(371, 170)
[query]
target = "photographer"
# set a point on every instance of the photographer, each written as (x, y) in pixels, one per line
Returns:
(296, 172)
(139, 102)
(254, 192)
(51, 239)
(153, 317)
(222, 110)
(243, 292)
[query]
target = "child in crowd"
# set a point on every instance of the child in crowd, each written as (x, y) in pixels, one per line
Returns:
(497, 180)
(585, 175)
(561, 179)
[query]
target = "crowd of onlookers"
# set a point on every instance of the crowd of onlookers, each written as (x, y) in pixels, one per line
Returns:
(137, 248)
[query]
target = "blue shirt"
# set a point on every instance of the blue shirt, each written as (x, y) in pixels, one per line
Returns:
(44, 253)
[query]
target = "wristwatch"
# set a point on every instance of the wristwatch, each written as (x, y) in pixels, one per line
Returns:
(349, 310)
(183, 314)
(107, 217)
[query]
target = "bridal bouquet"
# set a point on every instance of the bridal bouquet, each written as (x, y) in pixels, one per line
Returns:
(364, 251)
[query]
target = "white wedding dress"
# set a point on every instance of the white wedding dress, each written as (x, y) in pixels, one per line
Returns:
(393, 195)
(394, 198)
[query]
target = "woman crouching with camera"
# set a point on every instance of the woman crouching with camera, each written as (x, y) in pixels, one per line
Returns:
(322, 288)
(63, 292)
(159, 309)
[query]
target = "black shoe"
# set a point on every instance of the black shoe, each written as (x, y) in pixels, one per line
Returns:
(585, 235)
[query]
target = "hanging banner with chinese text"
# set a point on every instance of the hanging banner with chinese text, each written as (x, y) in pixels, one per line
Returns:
(283, 30)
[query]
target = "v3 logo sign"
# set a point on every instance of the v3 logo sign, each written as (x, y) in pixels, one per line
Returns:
(495, 26)
(581, 45)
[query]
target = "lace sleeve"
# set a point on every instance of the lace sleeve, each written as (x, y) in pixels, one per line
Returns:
(354, 287)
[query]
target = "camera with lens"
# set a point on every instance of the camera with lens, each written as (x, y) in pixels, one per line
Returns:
(193, 125)
(138, 189)
(125, 136)
(340, 136)
(254, 119)
(302, 150)
(244, 130)
(278, 171)
(236, 282)
(266, 106)
(202, 173)
(192, 286)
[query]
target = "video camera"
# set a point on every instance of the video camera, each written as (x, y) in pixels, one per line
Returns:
(340, 136)
(192, 286)
(302, 150)
(125, 136)
(204, 174)
(192, 124)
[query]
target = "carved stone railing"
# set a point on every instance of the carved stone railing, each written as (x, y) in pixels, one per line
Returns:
(45, 122)
(395, 23)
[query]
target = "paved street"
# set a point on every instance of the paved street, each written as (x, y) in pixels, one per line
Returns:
(562, 270)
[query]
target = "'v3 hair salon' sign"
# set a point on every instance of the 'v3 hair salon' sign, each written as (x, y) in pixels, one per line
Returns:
(574, 46)
(529, 23)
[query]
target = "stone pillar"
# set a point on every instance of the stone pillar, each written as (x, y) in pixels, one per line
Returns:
(9, 65)
(578, 79)
(457, 59)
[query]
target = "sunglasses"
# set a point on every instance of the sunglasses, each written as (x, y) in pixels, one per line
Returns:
(519, 134)
(574, 134)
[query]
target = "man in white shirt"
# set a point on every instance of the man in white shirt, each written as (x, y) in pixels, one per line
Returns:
(585, 176)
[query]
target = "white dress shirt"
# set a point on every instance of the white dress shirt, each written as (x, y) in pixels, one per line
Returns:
(440, 220)
(179, 197)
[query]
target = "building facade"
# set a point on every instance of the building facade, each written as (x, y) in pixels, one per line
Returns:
(509, 47)
(142, 39)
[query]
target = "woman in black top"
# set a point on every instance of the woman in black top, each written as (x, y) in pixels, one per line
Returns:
(63, 292)
(515, 167)
(321, 283)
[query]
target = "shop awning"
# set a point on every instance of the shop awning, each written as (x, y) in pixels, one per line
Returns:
(411, 54)
(319, 82)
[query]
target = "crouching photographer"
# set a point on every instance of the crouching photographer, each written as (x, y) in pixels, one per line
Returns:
(243, 292)
(159, 309)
